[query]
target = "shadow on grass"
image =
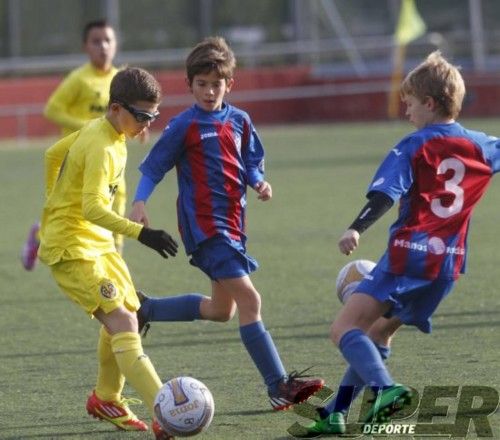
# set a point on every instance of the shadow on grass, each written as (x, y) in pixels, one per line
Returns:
(30, 301)
(59, 435)
(202, 341)
(110, 430)
(178, 343)
(251, 412)
(468, 313)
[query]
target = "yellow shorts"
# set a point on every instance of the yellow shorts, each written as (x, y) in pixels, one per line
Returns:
(103, 283)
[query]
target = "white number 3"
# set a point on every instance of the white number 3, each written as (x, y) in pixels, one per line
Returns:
(451, 185)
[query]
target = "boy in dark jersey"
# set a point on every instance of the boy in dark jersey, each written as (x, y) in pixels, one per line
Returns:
(438, 173)
(217, 154)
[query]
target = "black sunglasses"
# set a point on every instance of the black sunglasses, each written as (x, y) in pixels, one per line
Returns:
(140, 116)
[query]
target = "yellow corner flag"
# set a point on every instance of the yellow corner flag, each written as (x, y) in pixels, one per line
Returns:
(410, 24)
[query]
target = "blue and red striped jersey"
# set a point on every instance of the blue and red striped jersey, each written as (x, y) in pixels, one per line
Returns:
(216, 155)
(438, 174)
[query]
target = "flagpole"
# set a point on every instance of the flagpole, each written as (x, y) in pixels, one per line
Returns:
(410, 26)
(396, 78)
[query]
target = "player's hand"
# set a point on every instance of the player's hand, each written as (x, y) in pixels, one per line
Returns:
(349, 241)
(139, 214)
(264, 190)
(158, 240)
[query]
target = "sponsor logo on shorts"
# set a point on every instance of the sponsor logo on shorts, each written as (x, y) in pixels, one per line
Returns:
(107, 289)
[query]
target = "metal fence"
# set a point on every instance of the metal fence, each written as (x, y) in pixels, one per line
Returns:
(338, 38)
(42, 36)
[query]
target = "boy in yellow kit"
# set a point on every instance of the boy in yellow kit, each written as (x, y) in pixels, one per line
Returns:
(83, 95)
(83, 171)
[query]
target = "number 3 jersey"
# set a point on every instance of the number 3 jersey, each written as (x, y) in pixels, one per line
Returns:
(438, 174)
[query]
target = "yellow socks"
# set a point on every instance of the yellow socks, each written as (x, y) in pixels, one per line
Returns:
(136, 366)
(110, 380)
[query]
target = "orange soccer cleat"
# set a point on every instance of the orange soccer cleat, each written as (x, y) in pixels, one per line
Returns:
(116, 412)
(294, 390)
(160, 434)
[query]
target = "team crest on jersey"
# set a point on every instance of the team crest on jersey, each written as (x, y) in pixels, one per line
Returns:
(112, 190)
(107, 289)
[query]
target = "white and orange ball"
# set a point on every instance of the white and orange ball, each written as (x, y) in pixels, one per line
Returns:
(184, 407)
(350, 276)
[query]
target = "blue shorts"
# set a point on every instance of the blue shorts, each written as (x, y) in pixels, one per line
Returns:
(413, 300)
(222, 258)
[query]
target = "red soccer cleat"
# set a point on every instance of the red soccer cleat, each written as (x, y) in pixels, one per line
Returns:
(117, 413)
(294, 390)
(30, 248)
(160, 434)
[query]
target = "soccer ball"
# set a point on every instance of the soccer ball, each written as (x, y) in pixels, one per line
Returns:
(184, 407)
(350, 276)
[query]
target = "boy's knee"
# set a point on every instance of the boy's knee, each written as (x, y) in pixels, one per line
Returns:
(251, 301)
(222, 312)
(224, 315)
(119, 320)
(335, 333)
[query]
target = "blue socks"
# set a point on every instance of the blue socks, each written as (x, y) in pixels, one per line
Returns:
(362, 354)
(350, 386)
(261, 348)
(255, 337)
(172, 308)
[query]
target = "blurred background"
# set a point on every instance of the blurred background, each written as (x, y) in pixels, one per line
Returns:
(298, 60)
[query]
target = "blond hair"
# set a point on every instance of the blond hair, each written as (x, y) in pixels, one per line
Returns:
(438, 79)
(213, 54)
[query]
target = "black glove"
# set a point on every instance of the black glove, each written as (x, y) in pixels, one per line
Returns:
(158, 240)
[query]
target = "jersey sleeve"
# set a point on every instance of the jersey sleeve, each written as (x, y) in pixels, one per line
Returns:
(394, 176)
(165, 152)
(252, 152)
(120, 200)
(119, 205)
(492, 152)
(61, 99)
(95, 196)
(54, 160)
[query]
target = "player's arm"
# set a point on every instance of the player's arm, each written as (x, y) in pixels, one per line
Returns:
(56, 109)
(54, 159)
(393, 178)
(145, 188)
(378, 204)
(95, 200)
(252, 153)
(156, 164)
(119, 204)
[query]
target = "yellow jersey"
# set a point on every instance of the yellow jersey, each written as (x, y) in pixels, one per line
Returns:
(84, 95)
(83, 171)
(81, 96)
